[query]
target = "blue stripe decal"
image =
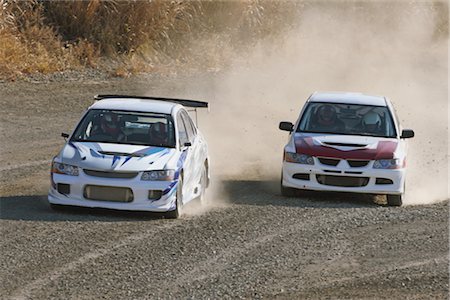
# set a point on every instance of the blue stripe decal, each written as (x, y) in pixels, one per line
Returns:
(182, 159)
(126, 160)
(73, 145)
(115, 158)
(96, 154)
(150, 150)
(170, 187)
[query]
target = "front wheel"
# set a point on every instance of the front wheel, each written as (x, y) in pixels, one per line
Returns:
(58, 207)
(286, 191)
(176, 213)
(395, 200)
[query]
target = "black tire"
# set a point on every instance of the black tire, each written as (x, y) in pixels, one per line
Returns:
(288, 191)
(175, 214)
(395, 200)
(57, 207)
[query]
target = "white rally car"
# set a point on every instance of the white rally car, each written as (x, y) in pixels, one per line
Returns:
(132, 153)
(346, 142)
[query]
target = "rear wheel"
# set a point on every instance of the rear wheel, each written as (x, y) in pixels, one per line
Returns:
(176, 213)
(395, 200)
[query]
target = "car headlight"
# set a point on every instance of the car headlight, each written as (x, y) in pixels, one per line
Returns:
(394, 163)
(298, 158)
(160, 175)
(65, 169)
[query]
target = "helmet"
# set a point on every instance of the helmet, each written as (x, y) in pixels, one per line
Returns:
(326, 114)
(110, 123)
(371, 121)
(158, 132)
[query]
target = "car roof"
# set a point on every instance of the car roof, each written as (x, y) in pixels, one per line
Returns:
(348, 98)
(143, 105)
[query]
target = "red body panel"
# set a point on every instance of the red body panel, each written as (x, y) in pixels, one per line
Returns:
(384, 150)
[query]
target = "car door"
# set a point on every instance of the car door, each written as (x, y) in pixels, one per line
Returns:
(197, 147)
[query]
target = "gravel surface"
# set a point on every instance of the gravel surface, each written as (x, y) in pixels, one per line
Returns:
(256, 244)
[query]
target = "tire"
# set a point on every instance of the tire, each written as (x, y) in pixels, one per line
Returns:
(286, 191)
(395, 200)
(175, 214)
(57, 207)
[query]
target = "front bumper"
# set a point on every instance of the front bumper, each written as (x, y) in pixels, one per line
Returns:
(140, 189)
(366, 176)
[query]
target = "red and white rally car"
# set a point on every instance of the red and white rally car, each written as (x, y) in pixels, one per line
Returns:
(346, 142)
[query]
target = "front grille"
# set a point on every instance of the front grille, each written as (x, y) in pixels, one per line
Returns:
(358, 163)
(108, 193)
(106, 174)
(344, 181)
(329, 161)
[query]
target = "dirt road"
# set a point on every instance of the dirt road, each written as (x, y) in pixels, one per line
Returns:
(252, 243)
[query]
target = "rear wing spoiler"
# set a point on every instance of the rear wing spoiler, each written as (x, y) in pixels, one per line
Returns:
(184, 102)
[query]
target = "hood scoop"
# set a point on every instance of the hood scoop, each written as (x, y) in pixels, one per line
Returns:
(344, 144)
(121, 154)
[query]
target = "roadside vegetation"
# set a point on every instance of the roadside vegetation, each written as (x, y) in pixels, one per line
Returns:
(128, 37)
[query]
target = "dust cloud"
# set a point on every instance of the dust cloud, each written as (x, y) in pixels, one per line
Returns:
(394, 49)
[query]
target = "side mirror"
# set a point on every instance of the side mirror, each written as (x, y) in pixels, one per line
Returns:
(286, 126)
(407, 133)
(64, 135)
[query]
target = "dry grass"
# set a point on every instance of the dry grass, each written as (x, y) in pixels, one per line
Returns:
(136, 36)
(140, 36)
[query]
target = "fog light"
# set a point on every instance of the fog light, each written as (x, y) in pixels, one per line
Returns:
(154, 194)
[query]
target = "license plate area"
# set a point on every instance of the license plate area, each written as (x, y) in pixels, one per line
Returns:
(108, 193)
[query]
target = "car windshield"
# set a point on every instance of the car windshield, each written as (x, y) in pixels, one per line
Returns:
(347, 119)
(124, 127)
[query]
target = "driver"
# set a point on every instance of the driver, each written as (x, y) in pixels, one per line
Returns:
(158, 133)
(327, 119)
(110, 126)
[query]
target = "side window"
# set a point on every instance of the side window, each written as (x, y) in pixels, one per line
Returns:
(194, 129)
(188, 125)
(182, 134)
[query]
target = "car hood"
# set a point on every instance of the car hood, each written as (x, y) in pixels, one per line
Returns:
(117, 157)
(346, 146)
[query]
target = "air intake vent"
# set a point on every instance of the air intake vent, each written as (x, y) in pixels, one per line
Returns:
(63, 188)
(346, 145)
(301, 176)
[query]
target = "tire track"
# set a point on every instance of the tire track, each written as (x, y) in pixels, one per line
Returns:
(31, 288)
